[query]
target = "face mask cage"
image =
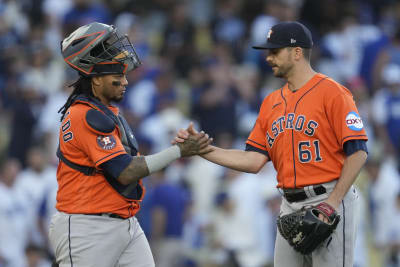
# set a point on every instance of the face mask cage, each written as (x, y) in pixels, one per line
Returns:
(116, 48)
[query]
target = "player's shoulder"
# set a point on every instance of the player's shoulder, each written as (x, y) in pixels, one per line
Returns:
(78, 110)
(91, 118)
(333, 87)
(271, 99)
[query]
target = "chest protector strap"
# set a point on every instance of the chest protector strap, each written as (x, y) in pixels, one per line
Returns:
(133, 191)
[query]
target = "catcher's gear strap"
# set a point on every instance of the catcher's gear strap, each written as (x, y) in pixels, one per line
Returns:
(99, 122)
(127, 137)
(86, 170)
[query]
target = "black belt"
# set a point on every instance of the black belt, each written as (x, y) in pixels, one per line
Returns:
(111, 215)
(298, 194)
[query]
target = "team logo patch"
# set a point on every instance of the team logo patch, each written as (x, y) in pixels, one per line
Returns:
(106, 142)
(354, 122)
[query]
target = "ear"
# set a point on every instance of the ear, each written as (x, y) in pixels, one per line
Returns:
(96, 80)
(298, 53)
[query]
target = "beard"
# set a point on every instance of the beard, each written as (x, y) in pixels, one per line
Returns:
(116, 99)
(282, 71)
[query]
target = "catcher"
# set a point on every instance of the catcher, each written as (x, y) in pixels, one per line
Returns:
(100, 170)
(311, 131)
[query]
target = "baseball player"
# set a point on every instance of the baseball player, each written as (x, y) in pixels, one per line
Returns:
(99, 172)
(311, 131)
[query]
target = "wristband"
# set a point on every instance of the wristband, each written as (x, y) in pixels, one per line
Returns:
(160, 160)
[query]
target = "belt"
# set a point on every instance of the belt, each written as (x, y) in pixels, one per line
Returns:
(111, 215)
(299, 194)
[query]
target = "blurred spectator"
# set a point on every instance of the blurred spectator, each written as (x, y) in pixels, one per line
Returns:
(360, 92)
(215, 102)
(161, 127)
(394, 256)
(83, 12)
(228, 27)
(152, 94)
(383, 190)
(44, 72)
(247, 80)
(50, 118)
(272, 201)
(203, 179)
(14, 217)
(386, 103)
(36, 256)
(390, 53)
(343, 48)
(370, 53)
(33, 182)
(25, 112)
(246, 194)
(169, 202)
(178, 39)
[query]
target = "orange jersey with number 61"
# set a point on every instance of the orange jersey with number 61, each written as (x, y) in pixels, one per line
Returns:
(304, 131)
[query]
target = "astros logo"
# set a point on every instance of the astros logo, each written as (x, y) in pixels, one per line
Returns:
(354, 122)
(106, 142)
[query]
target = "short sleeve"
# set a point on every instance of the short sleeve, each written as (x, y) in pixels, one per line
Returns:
(101, 148)
(344, 117)
(257, 137)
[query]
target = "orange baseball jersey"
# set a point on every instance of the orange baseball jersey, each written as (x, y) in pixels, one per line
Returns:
(81, 144)
(304, 131)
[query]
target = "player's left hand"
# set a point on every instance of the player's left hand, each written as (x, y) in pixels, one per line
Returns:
(304, 231)
(323, 217)
(196, 144)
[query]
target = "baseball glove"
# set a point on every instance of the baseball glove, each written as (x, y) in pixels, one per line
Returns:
(304, 230)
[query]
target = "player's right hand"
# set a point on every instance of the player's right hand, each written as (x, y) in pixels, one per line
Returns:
(193, 142)
(183, 134)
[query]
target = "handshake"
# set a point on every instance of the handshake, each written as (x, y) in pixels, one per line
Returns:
(192, 142)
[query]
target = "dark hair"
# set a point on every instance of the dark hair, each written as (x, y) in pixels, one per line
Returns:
(307, 53)
(82, 86)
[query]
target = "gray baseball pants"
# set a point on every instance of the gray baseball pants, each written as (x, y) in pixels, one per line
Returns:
(80, 240)
(337, 250)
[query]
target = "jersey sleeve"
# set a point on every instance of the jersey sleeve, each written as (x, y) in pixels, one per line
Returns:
(99, 147)
(344, 117)
(257, 136)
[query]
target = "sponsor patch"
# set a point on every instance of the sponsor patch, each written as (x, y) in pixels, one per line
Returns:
(354, 122)
(106, 142)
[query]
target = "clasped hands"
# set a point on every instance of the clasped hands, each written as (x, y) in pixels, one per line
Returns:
(192, 142)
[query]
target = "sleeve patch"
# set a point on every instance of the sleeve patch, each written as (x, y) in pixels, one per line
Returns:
(354, 122)
(106, 142)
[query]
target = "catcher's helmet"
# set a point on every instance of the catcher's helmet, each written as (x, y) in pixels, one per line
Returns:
(97, 49)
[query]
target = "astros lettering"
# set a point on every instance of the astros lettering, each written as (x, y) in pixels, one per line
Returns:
(298, 123)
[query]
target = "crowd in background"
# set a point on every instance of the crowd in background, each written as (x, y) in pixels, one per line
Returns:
(198, 66)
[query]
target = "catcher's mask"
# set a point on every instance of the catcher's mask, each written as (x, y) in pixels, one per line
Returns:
(97, 49)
